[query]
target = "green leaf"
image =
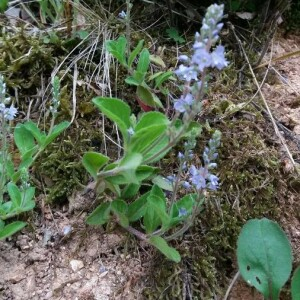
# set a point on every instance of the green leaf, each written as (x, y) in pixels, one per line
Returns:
(132, 81)
(117, 111)
(135, 52)
(151, 118)
(100, 215)
(130, 190)
(118, 49)
(11, 229)
(14, 194)
(23, 139)
(27, 196)
(120, 208)
(93, 162)
(259, 244)
(144, 61)
(35, 131)
(155, 210)
(129, 164)
(157, 60)
(159, 206)
(187, 202)
(142, 172)
(137, 209)
(3, 5)
(173, 34)
(295, 285)
(162, 78)
(56, 131)
(165, 249)
(145, 95)
(163, 183)
(149, 141)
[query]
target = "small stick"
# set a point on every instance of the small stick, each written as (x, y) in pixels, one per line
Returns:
(235, 278)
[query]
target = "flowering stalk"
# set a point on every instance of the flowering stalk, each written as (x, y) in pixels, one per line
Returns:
(6, 114)
(194, 67)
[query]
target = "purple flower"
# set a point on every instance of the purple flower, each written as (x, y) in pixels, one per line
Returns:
(182, 212)
(180, 155)
(9, 113)
(186, 73)
(186, 185)
(198, 177)
(202, 59)
(184, 103)
(213, 182)
(122, 14)
(218, 58)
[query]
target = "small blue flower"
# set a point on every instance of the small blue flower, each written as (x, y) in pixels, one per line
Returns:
(186, 73)
(122, 14)
(198, 177)
(10, 113)
(218, 58)
(213, 182)
(184, 103)
(171, 178)
(202, 59)
(182, 212)
(186, 185)
(130, 131)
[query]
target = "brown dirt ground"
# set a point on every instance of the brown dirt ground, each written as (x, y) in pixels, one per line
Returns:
(43, 263)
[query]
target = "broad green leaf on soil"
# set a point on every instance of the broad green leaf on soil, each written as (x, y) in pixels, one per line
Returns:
(135, 53)
(56, 131)
(144, 61)
(118, 49)
(11, 229)
(100, 215)
(14, 194)
(117, 111)
(165, 249)
(23, 139)
(136, 209)
(151, 118)
(145, 95)
(120, 208)
(93, 162)
(259, 244)
(35, 131)
(295, 285)
(130, 190)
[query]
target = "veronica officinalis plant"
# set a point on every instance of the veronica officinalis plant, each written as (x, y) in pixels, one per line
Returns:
(16, 194)
(147, 138)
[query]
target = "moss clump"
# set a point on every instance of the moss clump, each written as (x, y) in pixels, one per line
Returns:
(60, 168)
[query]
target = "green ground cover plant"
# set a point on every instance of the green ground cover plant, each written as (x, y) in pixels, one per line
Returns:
(16, 192)
(148, 137)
